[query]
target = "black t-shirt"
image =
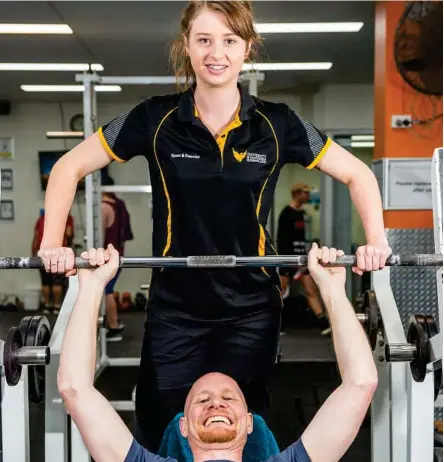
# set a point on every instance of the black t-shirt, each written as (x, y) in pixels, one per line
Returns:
(212, 196)
(291, 232)
(294, 453)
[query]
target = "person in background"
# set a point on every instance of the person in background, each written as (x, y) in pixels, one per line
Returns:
(116, 231)
(291, 240)
(53, 284)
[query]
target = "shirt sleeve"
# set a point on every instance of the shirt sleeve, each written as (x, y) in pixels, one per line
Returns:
(294, 453)
(304, 143)
(138, 453)
(127, 135)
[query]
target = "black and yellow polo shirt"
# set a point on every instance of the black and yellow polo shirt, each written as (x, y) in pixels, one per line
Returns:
(212, 196)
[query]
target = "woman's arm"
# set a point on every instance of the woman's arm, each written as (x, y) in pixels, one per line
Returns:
(346, 168)
(88, 156)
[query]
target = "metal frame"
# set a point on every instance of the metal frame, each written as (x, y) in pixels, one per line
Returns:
(402, 409)
(14, 410)
(384, 166)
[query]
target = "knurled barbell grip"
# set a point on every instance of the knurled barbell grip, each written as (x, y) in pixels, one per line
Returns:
(225, 261)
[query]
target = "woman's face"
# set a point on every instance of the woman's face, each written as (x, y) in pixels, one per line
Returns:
(216, 52)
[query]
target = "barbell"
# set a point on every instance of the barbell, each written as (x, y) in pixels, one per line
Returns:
(226, 261)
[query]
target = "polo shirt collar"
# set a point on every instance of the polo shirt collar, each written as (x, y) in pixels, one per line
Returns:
(186, 110)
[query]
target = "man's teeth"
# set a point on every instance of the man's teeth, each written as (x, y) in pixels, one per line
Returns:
(217, 68)
(217, 418)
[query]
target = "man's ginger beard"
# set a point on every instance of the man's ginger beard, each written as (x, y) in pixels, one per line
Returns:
(217, 435)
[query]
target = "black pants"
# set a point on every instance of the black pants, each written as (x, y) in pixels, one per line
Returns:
(178, 350)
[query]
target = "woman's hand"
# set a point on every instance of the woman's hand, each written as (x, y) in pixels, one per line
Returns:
(372, 257)
(58, 260)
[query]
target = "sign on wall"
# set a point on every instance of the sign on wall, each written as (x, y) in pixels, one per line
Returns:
(410, 184)
(405, 184)
(6, 148)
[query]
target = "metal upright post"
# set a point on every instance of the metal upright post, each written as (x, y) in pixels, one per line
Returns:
(326, 210)
(93, 196)
(15, 428)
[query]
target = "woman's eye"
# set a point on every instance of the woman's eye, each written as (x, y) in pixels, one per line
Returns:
(231, 41)
(203, 41)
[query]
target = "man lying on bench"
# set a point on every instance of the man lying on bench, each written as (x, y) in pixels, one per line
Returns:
(216, 420)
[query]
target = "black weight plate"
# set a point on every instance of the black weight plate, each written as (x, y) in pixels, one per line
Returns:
(418, 336)
(433, 330)
(371, 309)
(23, 327)
(38, 334)
(14, 341)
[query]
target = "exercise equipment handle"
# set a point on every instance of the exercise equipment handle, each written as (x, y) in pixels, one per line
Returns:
(226, 261)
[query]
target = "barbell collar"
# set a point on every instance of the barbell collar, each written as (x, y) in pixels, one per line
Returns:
(33, 356)
(226, 261)
(362, 317)
(400, 352)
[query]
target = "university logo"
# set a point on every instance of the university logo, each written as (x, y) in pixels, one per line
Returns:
(239, 156)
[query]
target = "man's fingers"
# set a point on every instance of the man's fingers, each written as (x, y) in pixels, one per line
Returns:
(313, 256)
(93, 257)
(100, 255)
(332, 255)
(325, 254)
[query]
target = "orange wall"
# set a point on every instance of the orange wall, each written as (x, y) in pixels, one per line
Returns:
(393, 96)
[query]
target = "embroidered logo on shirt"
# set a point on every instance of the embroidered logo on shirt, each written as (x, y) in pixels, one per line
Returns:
(251, 157)
(256, 158)
(185, 155)
(239, 156)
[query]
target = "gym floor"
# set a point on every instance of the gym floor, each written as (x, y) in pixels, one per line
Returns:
(300, 386)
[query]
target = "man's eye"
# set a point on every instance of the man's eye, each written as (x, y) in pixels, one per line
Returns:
(204, 400)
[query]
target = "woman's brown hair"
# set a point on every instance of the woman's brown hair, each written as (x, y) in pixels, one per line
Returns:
(239, 15)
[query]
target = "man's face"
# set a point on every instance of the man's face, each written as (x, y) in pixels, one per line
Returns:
(305, 196)
(216, 415)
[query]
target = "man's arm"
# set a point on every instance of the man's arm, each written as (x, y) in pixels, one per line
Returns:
(104, 433)
(340, 417)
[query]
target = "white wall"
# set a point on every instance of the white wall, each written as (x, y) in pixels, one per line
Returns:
(334, 107)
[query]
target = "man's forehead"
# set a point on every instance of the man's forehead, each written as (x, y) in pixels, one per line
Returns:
(215, 382)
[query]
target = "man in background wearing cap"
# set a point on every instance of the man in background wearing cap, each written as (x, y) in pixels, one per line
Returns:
(291, 240)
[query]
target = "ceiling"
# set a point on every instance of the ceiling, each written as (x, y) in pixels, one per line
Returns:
(131, 39)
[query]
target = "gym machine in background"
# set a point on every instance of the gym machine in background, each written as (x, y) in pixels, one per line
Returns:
(404, 407)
